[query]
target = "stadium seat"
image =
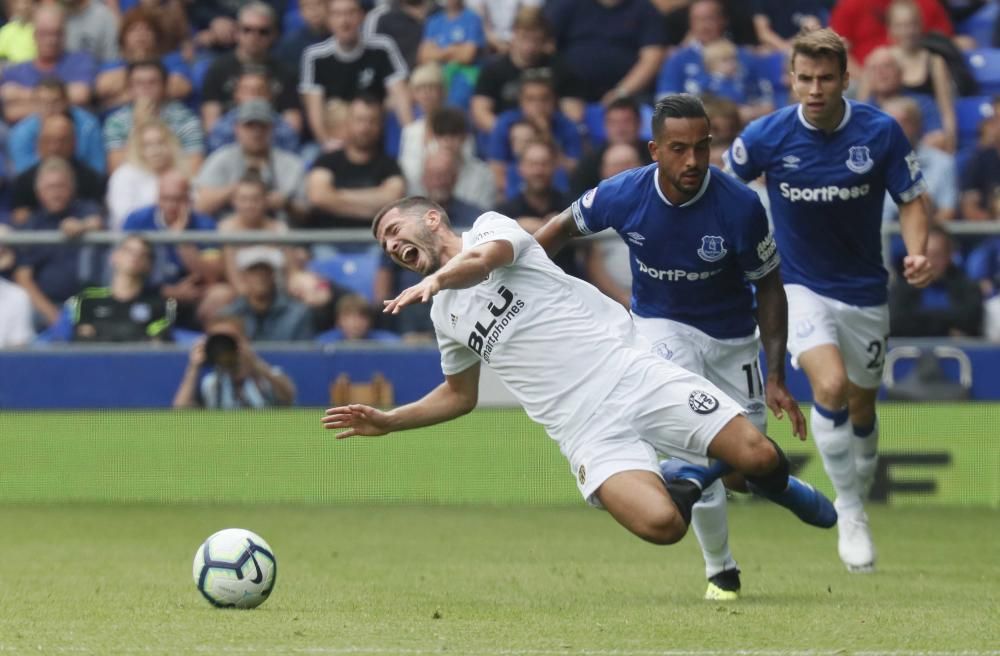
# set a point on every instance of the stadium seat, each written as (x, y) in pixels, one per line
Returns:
(985, 66)
(980, 25)
(355, 271)
(981, 264)
(969, 113)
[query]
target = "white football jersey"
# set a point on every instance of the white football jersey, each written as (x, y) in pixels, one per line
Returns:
(557, 343)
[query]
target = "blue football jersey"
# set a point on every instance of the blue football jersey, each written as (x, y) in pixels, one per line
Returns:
(692, 262)
(826, 193)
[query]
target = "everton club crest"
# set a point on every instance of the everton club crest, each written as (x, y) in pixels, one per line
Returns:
(712, 248)
(859, 159)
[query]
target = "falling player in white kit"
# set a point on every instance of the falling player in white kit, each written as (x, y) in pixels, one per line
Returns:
(829, 163)
(572, 359)
(697, 240)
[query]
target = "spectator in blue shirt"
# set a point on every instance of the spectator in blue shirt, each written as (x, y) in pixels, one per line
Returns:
(313, 30)
(51, 100)
(536, 105)
(615, 45)
(53, 273)
(684, 71)
(453, 36)
(776, 22)
(140, 38)
(353, 321)
(77, 69)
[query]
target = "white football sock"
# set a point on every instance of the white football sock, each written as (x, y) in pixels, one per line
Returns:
(708, 517)
(866, 456)
(835, 441)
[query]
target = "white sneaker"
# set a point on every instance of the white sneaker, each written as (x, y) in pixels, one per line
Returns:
(855, 542)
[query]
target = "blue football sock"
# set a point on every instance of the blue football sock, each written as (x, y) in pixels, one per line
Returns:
(808, 503)
(675, 468)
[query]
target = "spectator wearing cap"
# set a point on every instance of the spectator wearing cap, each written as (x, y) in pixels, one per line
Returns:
(350, 64)
(76, 69)
(257, 31)
(55, 139)
(268, 313)
(615, 45)
(253, 83)
(537, 106)
(282, 171)
(147, 83)
(499, 80)
(51, 273)
(347, 187)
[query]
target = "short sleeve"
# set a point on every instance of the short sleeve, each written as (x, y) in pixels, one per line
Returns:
(757, 252)
(589, 214)
(494, 226)
(744, 158)
(455, 357)
(903, 179)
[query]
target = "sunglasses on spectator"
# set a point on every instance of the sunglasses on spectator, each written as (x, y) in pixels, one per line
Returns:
(260, 31)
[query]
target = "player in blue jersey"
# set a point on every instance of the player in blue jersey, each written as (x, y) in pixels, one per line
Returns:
(697, 239)
(828, 164)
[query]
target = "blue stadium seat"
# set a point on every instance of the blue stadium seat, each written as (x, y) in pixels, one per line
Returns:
(355, 271)
(981, 264)
(980, 25)
(985, 66)
(969, 113)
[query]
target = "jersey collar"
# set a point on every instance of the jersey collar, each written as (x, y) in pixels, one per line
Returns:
(843, 121)
(701, 192)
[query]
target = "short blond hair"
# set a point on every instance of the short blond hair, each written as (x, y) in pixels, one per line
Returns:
(819, 44)
(134, 146)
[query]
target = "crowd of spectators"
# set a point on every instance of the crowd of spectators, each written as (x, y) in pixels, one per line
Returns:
(270, 116)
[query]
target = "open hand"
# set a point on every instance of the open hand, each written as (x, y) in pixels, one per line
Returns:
(358, 419)
(780, 401)
(422, 292)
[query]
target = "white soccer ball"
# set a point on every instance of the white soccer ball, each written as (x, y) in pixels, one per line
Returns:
(235, 568)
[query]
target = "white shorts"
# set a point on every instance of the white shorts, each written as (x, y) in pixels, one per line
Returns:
(732, 364)
(656, 408)
(861, 333)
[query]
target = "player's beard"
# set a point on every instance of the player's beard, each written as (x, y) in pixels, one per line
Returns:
(690, 185)
(429, 244)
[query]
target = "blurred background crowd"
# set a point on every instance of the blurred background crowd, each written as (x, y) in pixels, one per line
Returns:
(140, 116)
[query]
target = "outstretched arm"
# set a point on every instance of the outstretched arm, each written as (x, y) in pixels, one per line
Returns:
(772, 317)
(456, 396)
(557, 232)
(468, 268)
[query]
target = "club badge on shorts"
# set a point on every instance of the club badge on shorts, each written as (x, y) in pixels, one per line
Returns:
(702, 402)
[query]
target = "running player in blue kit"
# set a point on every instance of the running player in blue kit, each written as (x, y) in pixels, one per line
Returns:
(697, 239)
(828, 163)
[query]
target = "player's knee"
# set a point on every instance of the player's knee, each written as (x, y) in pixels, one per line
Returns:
(831, 391)
(664, 526)
(762, 456)
(773, 479)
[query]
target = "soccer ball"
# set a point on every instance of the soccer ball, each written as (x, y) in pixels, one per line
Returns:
(235, 568)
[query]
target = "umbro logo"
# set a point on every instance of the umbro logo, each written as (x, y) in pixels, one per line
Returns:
(636, 238)
(791, 161)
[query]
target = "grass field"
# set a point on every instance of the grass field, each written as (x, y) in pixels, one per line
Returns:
(465, 539)
(102, 579)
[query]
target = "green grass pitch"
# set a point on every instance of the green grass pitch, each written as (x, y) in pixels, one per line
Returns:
(100, 579)
(466, 539)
